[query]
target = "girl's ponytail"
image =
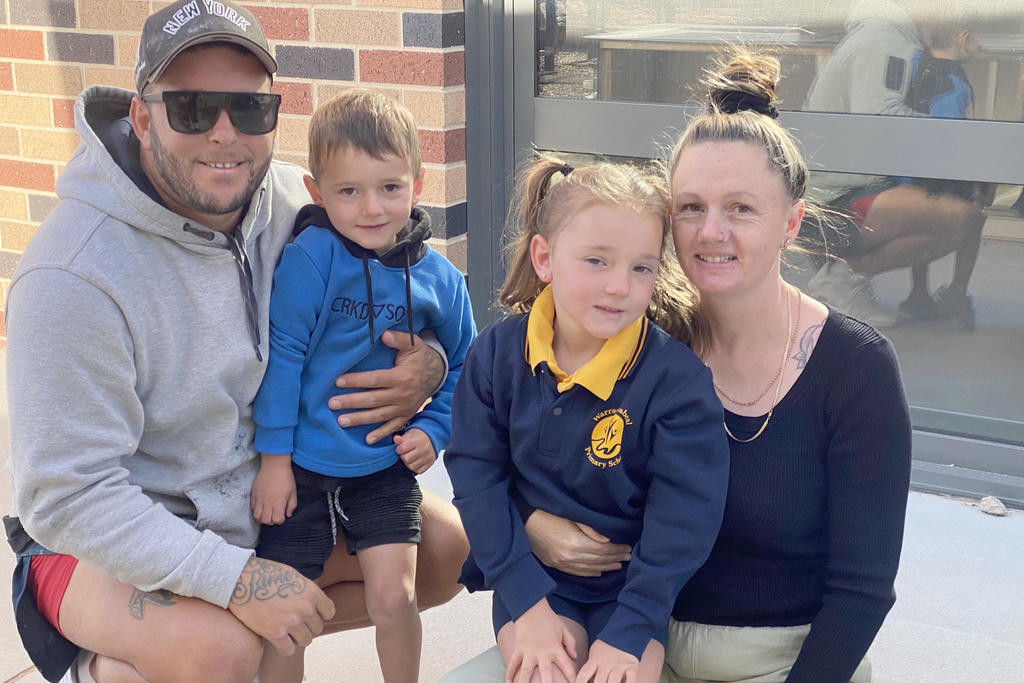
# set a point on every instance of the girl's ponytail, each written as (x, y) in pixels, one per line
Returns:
(521, 282)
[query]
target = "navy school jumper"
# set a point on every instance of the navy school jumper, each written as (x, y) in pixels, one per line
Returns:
(646, 464)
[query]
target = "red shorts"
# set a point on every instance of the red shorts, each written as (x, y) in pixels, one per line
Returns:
(861, 206)
(48, 578)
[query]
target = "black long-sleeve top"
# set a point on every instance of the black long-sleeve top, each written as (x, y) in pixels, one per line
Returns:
(814, 516)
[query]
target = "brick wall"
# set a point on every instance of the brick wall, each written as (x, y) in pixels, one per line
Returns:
(409, 49)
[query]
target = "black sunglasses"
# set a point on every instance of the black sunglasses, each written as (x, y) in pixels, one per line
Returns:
(195, 111)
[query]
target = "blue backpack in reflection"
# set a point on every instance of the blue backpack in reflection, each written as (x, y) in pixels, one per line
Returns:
(939, 88)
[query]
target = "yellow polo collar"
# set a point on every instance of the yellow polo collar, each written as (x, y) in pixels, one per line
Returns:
(613, 362)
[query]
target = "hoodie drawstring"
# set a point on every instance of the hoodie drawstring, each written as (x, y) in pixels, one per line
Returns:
(370, 311)
(369, 296)
(244, 279)
(408, 297)
(248, 293)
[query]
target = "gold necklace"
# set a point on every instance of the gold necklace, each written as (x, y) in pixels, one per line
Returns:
(785, 357)
(778, 377)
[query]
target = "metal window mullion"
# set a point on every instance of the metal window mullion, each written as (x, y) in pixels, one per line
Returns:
(882, 145)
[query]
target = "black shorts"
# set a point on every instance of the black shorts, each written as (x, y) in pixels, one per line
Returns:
(377, 509)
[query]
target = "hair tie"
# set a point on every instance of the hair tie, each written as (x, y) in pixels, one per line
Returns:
(742, 101)
(566, 169)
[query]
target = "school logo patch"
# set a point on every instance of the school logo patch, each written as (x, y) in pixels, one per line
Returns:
(605, 449)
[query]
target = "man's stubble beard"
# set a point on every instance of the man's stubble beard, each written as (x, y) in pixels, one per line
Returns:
(178, 182)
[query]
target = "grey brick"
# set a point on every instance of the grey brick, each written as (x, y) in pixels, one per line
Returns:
(92, 48)
(40, 206)
(337, 64)
(447, 222)
(8, 262)
(422, 29)
(57, 13)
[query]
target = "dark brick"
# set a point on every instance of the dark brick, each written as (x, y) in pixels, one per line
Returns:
(40, 206)
(336, 64)
(91, 48)
(8, 262)
(447, 222)
(55, 13)
(421, 29)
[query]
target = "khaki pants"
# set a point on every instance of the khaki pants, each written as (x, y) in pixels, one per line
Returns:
(699, 653)
(696, 653)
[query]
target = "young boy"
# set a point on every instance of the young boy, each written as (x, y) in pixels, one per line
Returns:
(358, 265)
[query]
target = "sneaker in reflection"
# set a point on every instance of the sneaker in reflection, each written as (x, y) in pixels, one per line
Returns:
(852, 293)
(959, 307)
(1018, 206)
(921, 309)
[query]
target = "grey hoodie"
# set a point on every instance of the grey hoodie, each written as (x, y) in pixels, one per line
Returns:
(131, 373)
(867, 73)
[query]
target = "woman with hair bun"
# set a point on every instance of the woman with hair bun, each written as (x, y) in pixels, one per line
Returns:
(801, 575)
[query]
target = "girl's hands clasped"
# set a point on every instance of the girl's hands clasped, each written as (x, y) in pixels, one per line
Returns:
(542, 641)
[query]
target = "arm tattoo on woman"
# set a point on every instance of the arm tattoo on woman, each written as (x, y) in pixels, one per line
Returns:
(138, 601)
(265, 580)
(807, 342)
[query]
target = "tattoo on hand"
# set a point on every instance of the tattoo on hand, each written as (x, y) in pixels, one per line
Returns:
(807, 343)
(138, 600)
(435, 371)
(265, 580)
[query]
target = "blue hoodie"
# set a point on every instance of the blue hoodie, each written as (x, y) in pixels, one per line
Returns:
(330, 303)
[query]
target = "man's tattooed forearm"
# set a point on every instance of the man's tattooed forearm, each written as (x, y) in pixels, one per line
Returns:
(431, 379)
(807, 342)
(138, 601)
(265, 580)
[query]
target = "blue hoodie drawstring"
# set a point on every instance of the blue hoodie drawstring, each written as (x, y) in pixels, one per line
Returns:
(408, 298)
(369, 296)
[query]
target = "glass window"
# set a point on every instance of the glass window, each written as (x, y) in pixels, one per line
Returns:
(938, 265)
(895, 57)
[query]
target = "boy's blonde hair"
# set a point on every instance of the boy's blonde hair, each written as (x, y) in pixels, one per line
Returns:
(550, 193)
(365, 120)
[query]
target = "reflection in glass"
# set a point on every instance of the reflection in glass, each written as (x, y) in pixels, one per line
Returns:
(653, 50)
(959, 352)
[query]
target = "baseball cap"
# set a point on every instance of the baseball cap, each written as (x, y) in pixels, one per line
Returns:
(187, 23)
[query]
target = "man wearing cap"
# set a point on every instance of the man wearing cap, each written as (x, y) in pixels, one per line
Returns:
(137, 334)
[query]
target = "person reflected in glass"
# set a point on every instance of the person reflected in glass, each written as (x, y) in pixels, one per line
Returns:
(939, 88)
(890, 223)
(802, 573)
